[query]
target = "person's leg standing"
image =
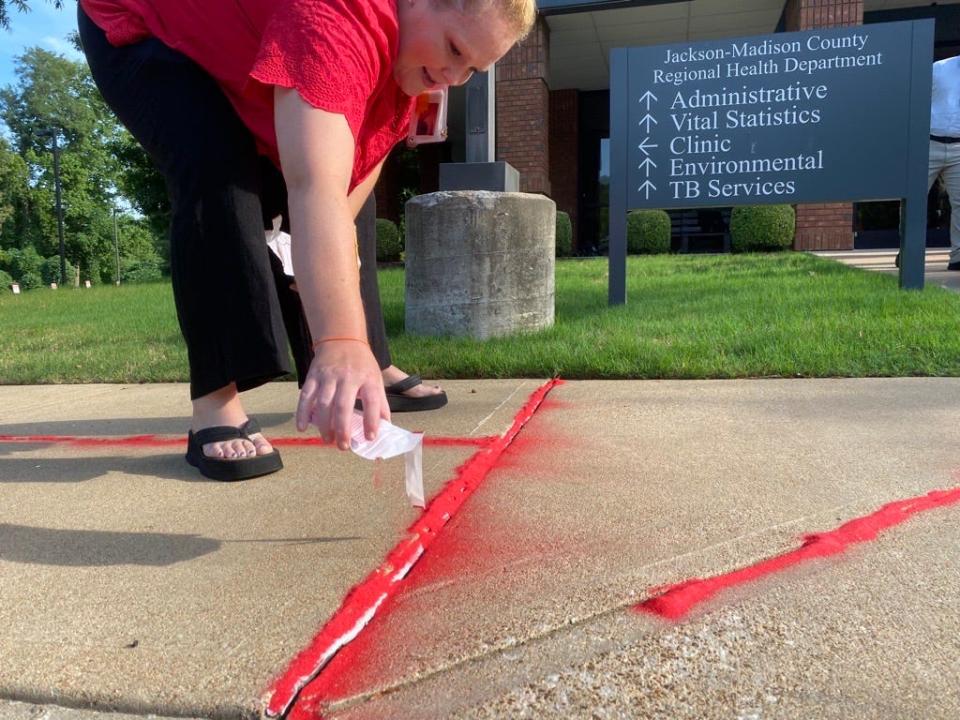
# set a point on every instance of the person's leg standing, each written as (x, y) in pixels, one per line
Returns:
(223, 285)
(415, 395)
(369, 287)
(950, 173)
(936, 161)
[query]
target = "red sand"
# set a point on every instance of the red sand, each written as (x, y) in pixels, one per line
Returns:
(676, 601)
(363, 601)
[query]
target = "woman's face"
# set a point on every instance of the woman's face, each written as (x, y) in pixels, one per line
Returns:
(442, 46)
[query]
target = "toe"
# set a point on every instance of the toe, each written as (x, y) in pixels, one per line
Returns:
(213, 450)
(263, 447)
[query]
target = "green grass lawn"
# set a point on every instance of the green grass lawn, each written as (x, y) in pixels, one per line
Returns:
(686, 317)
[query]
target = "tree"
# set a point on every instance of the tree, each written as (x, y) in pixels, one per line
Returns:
(20, 5)
(14, 194)
(143, 185)
(56, 95)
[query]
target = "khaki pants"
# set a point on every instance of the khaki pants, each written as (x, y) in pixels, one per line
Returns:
(945, 162)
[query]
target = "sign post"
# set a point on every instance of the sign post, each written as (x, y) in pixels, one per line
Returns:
(819, 116)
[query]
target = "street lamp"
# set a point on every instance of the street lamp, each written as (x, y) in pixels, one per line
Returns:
(116, 244)
(56, 184)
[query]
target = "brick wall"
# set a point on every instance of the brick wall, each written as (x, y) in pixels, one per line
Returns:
(564, 129)
(824, 226)
(827, 226)
(523, 109)
(812, 14)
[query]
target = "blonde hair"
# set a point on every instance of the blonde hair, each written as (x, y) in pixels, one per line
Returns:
(519, 14)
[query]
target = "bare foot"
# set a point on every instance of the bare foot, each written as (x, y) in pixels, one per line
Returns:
(222, 407)
(393, 374)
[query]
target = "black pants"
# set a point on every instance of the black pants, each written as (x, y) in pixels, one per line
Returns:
(236, 308)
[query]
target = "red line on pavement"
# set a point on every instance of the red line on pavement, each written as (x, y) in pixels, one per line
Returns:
(676, 601)
(362, 602)
(160, 441)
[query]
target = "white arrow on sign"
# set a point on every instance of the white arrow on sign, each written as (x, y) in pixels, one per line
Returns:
(647, 97)
(648, 186)
(647, 162)
(644, 145)
(647, 119)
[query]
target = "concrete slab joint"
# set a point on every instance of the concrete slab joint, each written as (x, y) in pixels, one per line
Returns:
(479, 263)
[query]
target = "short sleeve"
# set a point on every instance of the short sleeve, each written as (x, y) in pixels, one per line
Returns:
(323, 49)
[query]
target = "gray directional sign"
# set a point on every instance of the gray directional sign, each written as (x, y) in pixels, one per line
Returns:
(827, 115)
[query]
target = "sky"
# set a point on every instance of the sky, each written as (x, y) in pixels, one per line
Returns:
(43, 26)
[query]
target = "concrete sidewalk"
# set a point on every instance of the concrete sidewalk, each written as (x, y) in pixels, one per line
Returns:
(128, 584)
(935, 266)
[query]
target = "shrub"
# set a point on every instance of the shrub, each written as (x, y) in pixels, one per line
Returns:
(648, 232)
(24, 262)
(564, 235)
(30, 280)
(91, 271)
(50, 271)
(603, 240)
(757, 228)
(141, 270)
(389, 242)
(5, 280)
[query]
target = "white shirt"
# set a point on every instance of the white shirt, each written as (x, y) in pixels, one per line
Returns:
(945, 98)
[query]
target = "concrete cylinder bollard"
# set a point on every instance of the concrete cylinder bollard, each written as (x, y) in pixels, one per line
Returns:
(479, 264)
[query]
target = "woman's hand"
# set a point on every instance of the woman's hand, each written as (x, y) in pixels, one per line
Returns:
(342, 371)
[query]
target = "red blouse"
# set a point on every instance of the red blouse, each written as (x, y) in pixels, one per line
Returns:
(338, 54)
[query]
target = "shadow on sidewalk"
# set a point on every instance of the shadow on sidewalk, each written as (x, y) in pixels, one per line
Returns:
(92, 548)
(98, 548)
(170, 466)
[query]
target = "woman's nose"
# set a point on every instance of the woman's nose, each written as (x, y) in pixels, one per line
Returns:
(456, 76)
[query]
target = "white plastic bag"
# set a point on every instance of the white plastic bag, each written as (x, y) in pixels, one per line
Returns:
(390, 442)
(279, 242)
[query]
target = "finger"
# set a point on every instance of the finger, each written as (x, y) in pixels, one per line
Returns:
(342, 414)
(323, 412)
(371, 414)
(384, 405)
(305, 404)
(321, 419)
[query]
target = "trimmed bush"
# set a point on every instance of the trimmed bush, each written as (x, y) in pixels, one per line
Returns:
(759, 228)
(648, 232)
(564, 234)
(25, 262)
(389, 242)
(50, 271)
(141, 270)
(5, 281)
(30, 280)
(91, 271)
(603, 241)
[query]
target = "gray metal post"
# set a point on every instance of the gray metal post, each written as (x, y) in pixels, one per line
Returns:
(913, 211)
(481, 171)
(617, 252)
(481, 117)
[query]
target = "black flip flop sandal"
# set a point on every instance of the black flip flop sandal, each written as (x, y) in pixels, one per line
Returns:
(400, 403)
(224, 469)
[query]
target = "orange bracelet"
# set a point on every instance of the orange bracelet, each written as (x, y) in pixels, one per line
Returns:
(332, 339)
